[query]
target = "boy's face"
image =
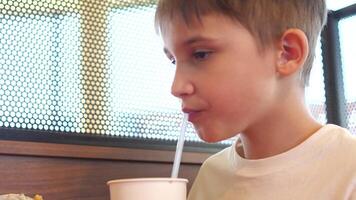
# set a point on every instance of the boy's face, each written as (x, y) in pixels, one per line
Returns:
(225, 83)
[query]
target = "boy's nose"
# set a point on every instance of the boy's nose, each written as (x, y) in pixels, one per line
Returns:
(181, 85)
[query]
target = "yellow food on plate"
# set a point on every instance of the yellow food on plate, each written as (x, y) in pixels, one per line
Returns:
(37, 197)
(19, 197)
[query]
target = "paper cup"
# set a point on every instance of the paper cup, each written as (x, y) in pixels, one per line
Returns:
(148, 189)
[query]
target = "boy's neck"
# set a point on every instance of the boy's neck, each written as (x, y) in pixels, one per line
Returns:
(279, 132)
(272, 143)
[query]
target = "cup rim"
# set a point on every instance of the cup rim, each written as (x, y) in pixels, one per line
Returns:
(147, 180)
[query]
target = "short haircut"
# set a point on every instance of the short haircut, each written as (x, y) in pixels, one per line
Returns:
(266, 20)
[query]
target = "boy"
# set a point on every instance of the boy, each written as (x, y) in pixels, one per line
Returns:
(241, 69)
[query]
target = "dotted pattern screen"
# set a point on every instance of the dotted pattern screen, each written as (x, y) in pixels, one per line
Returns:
(347, 31)
(90, 67)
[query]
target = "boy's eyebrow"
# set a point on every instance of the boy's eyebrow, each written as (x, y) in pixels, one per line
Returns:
(198, 38)
(193, 40)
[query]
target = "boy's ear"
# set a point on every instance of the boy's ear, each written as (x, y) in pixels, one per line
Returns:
(292, 52)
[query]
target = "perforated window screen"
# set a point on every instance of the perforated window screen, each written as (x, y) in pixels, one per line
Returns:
(140, 76)
(40, 69)
(347, 31)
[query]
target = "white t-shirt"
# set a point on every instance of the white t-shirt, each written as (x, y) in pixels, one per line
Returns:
(322, 167)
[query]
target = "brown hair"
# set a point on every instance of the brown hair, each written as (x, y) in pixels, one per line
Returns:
(265, 19)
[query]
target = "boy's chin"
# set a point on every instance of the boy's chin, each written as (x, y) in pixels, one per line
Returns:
(210, 137)
(213, 133)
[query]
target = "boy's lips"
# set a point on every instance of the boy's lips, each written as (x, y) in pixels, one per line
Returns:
(192, 113)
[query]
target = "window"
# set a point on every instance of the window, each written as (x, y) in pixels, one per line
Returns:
(40, 66)
(347, 30)
(140, 78)
(338, 4)
(339, 65)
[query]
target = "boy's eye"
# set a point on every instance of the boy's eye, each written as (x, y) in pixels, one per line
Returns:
(201, 55)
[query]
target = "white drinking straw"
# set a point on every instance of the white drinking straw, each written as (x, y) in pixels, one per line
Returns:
(179, 148)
